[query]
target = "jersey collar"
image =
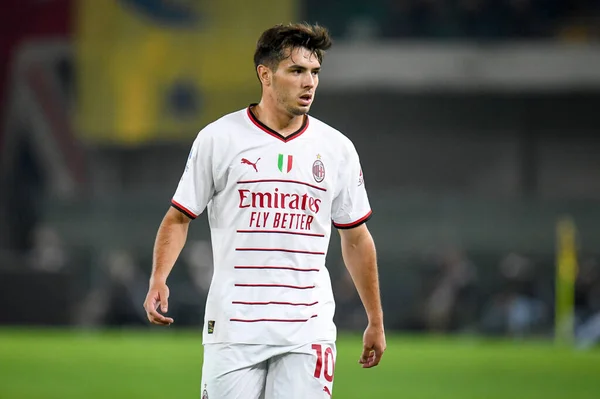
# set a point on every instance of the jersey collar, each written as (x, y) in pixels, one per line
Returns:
(272, 132)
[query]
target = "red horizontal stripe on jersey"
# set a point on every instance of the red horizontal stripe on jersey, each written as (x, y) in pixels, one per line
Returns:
(274, 303)
(294, 251)
(282, 181)
(296, 287)
(275, 320)
(297, 269)
(282, 232)
(356, 223)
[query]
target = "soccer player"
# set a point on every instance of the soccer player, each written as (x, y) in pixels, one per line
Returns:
(274, 180)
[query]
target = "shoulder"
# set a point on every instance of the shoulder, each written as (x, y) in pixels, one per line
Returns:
(222, 128)
(225, 123)
(336, 137)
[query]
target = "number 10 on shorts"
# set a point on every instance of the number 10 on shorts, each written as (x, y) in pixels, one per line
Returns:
(328, 368)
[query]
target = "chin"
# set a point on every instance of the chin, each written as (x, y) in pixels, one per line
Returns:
(299, 111)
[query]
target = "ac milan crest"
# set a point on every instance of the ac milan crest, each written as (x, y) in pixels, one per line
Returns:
(318, 170)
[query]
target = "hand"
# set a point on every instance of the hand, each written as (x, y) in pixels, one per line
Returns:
(373, 346)
(158, 294)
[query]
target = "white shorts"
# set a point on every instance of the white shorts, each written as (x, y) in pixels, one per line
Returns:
(239, 371)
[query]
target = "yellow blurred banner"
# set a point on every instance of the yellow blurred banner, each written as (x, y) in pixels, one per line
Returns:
(566, 276)
(162, 69)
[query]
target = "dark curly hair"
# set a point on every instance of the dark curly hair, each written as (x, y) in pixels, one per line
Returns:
(274, 44)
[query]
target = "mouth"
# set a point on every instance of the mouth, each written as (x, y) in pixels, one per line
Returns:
(306, 99)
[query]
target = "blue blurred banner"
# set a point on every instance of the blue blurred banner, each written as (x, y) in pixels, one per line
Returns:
(160, 70)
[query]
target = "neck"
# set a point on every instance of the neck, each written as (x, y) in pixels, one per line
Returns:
(276, 118)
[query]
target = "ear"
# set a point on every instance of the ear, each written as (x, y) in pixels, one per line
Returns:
(264, 74)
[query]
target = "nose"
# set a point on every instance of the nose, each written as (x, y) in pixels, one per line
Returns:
(309, 81)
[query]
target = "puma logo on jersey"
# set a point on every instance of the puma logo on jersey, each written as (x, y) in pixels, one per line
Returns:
(253, 164)
(325, 389)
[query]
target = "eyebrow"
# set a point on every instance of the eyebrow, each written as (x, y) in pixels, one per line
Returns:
(303, 68)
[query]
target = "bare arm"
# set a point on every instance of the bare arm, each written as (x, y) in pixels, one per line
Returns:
(358, 251)
(170, 240)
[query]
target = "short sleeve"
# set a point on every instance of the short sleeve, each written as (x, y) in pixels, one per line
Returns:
(350, 206)
(196, 187)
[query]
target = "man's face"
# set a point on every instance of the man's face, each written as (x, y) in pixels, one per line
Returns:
(295, 81)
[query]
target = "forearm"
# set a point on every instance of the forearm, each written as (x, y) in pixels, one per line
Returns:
(361, 261)
(170, 240)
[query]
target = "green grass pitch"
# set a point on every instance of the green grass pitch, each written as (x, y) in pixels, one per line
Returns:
(56, 364)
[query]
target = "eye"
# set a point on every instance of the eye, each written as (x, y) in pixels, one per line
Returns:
(315, 72)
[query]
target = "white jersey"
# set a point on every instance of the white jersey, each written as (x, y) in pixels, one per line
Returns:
(271, 202)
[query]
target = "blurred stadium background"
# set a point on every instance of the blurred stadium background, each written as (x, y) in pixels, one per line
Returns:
(478, 125)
